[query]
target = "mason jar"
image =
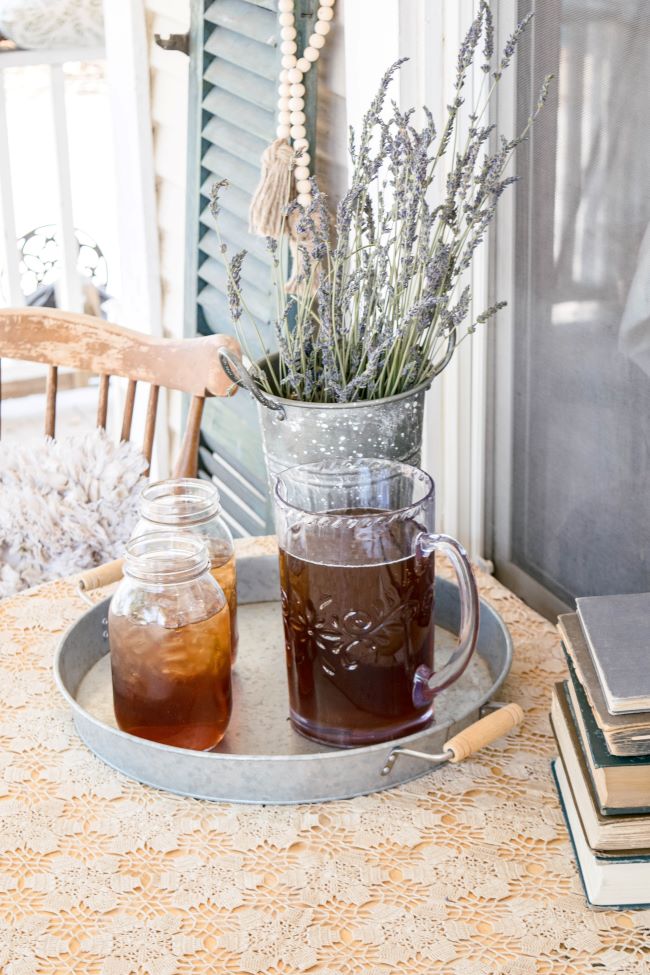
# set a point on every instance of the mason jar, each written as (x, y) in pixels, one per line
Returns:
(194, 505)
(169, 637)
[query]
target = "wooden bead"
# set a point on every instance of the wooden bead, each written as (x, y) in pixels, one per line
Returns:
(311, 54)
(284, 76)
(283, 105)
(286, 20)
(303, 159)
(294, 76)
(289, 47)
(303, 65)
(288, 33)
(303, 186)
(298, 131)
(316, 40)
(300, 144)
(297, 91)
(297, 118)
(296, 104)
(325, 13)
(322, 27)
(301, 172)
(288, 60)
(304, 199)
(284, 118)
(284, 90)
(283, 132)
(285, 6)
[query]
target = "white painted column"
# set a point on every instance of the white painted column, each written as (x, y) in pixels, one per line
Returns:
(68, 286)
(127, 62)
(8, 248)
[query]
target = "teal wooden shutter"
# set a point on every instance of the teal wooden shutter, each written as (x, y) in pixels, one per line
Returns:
(235, 63)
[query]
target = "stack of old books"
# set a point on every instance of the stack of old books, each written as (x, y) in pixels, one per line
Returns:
(601, 721)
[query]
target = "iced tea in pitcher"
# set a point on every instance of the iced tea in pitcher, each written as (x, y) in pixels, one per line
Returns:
(169, 635)
(357, 578)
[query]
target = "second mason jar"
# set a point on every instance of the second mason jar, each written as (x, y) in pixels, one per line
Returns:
(194, 505)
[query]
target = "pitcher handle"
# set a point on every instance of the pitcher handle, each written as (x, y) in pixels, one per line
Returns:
(427, 684)
(238, 374)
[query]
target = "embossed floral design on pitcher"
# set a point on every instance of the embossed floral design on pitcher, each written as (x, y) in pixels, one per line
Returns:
(357, 580)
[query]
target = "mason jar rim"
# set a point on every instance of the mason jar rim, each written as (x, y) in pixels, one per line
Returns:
(356, 469)
(166, 558)
(199, 500)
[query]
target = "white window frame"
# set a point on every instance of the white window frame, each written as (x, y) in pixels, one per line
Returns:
(500, 471)
(429, 32)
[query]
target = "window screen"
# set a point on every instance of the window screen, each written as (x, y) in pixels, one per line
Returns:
(580, 515)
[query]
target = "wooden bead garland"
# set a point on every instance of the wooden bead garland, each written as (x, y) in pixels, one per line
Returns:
(291, 103)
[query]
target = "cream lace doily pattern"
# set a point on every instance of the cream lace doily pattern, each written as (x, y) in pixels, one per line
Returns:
(467, 871)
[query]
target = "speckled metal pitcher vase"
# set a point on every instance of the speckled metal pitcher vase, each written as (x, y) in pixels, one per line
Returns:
(301, 433)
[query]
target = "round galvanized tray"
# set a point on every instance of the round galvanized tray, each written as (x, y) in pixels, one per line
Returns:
(262, 759)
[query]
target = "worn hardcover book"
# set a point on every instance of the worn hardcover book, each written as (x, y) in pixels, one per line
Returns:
(625, 734)
(621, 881)
(604, 833)
(617, 631)
(622, 785)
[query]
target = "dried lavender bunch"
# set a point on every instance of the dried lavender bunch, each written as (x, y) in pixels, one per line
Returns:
(383, 305)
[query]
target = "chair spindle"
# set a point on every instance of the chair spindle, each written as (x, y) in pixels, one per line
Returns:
(150, 423)
(128, 410)
(50, 400)
(102, 406)
(187, 461)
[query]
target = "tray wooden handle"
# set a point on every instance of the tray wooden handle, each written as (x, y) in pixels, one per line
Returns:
(102, 576)
(484, 732)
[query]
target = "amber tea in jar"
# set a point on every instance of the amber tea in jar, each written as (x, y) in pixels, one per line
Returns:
(169, 636)
(194, 505)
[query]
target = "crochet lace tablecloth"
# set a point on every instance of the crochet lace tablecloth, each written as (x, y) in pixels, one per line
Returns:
(465, 871)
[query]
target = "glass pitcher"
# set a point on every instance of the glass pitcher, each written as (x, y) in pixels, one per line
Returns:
(357, 571)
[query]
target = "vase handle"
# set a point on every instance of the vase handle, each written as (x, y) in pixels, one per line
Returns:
(427, 683)
(449, 351)
(237, 373)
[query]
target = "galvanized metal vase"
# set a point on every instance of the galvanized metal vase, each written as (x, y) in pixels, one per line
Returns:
(300, 433)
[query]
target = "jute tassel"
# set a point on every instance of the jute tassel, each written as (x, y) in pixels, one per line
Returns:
(272, 194)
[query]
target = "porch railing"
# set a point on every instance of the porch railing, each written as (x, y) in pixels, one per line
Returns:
(69, 295)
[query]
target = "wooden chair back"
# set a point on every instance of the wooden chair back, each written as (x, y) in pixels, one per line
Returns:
(64, 339)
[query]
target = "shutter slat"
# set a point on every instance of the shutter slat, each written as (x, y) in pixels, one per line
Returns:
(223, 164)
(232, 199)
(242, 51)
(267, 4)
(253, 127)
(217, 317)
(237, 15)
(242, 83)
(253, 271)
(236, 234)
(244, 144)
(215, 273)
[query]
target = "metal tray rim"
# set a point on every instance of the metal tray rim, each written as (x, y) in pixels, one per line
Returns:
(330, 753)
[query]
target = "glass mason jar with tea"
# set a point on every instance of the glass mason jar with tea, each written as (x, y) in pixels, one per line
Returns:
(357, 575)
(169, 637)
(194, 505)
